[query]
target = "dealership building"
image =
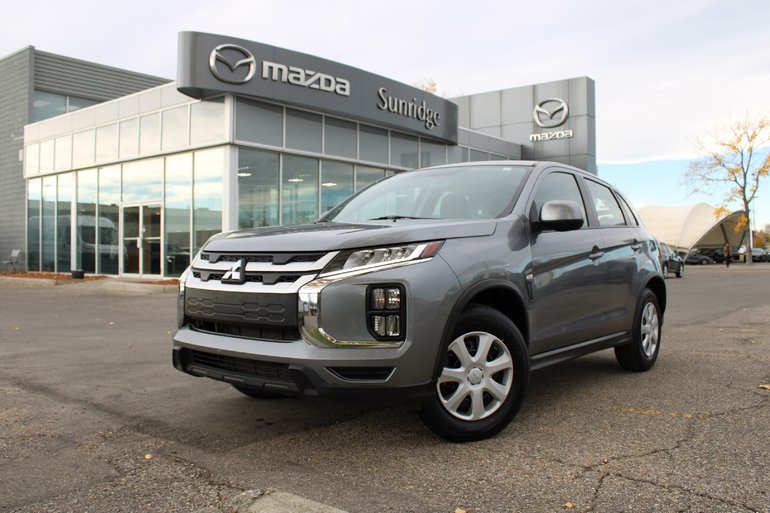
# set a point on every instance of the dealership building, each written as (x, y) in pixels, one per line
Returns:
(119, 173)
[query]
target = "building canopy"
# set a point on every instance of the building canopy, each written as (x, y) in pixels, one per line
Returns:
(687, 226)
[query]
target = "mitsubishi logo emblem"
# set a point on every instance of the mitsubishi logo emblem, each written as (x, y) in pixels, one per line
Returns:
(551, 113)
(227, 60)
(236, 275)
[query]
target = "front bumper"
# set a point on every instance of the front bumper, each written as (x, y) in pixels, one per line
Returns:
(402, 373)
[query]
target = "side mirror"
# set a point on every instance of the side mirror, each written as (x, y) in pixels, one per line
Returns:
(561, 216)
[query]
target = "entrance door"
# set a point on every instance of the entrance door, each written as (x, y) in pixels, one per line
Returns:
(142, 239)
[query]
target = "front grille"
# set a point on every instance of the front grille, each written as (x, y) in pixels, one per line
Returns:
(272, 258)
(242, 308)
(243, 366)
(253, 332)
(266, 278)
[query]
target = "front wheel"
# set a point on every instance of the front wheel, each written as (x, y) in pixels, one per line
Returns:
(483, 379)
(641, 353)
(680, 271)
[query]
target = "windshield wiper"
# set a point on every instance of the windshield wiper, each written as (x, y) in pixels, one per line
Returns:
(396, 217)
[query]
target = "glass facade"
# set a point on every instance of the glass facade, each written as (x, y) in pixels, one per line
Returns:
(165, 169)
(47, 105)
(258, 186)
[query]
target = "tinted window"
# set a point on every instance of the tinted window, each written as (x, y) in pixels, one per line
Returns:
(559, 187)
(605, 204)
(630, 216)
(469, 192)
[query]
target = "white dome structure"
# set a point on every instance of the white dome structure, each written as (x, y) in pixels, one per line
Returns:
(687, 226)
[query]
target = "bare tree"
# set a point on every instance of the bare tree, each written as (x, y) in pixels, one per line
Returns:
(428, 85)
(732, 167)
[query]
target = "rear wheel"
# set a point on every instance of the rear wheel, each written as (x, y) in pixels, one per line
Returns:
(641, 353)
(665, 270)
(483, 379)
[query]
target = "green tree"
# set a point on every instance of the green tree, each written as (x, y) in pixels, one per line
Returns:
(731, 166)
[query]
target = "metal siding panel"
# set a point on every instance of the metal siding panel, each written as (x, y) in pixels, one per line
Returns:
(74, 77)
(16, 71)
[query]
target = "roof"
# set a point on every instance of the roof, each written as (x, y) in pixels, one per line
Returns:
(687, 226)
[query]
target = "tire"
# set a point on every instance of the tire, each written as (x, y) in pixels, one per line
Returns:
(704, 262)
(665, 271)
(258, 393)
(484, 376)
(680, 271)
(641, 354)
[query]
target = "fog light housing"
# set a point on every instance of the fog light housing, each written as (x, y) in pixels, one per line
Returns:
(386, 311)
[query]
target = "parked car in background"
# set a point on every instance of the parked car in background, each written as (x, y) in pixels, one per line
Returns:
(694, 256)
(719, 256)
(670, 261)
(758, 255)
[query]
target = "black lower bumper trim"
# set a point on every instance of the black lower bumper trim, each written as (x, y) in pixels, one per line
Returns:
(294, 379)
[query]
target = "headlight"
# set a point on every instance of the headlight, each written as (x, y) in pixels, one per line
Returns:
(375, 258)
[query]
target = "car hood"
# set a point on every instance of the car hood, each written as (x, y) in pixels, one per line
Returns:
(334, 236)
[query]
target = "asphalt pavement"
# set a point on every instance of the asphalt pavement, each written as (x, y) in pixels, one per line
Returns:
(93, 418)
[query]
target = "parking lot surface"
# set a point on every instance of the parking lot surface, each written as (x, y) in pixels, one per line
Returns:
(94, 418)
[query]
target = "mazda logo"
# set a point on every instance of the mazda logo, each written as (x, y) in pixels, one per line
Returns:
(551, 113)
(227, 60)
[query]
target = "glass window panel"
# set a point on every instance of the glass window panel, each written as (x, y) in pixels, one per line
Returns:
(366, 175)
(74, 103)
(83, 149)
(107, 143)
(607, 207)
(177, 211)
(494, 156)
(456, 154)
(63, 153)
(108, 241)
(259, 122)
(47, 105)
(300, 190)
(175, 128)
(33, 223)
(208, 170)
(48, 227)
(85, 255)
(478, 155)
(149, 134)
(63, 216)
(258, 182)
(373, 144)
(207, 122)
(303, 130)
(46, 156)
(340, 137)
(403, 151)
(32, 159)
(143, 180)
(129, 138)
(336, 183)
(432, 153)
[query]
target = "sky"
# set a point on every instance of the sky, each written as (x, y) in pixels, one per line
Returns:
(666, 72)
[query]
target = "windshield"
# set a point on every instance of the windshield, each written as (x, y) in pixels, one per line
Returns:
(468, 192)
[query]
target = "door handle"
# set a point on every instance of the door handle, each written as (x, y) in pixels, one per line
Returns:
(596, 255)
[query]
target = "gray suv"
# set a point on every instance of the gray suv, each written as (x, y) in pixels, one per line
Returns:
(440, 288)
